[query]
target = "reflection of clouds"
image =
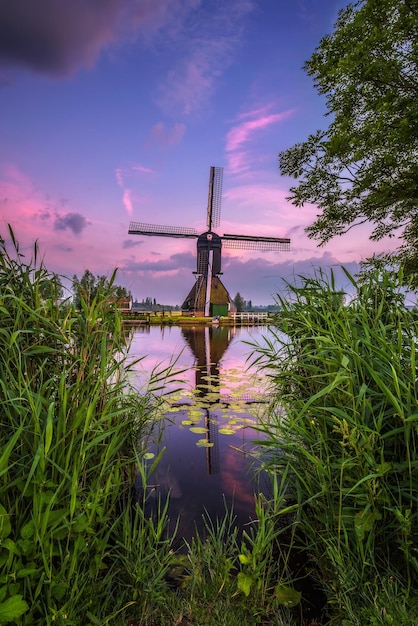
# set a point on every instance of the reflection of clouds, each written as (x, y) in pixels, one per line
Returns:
(234, 482)
(160, 347)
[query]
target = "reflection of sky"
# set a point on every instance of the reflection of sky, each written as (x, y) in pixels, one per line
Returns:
(202, 478)
(158, 347)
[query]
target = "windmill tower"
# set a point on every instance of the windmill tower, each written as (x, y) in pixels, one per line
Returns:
(208, 295)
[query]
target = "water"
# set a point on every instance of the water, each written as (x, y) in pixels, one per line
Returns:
(208, 437)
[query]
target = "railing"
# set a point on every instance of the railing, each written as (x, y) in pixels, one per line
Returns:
(249, 317)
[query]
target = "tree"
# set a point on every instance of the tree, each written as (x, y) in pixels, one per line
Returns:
(239, 302)
(51, 288)
(89, 286)
(363, 168)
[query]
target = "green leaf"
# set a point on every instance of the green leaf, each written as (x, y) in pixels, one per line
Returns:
(5, 526)
(244, 559)
(363, 522)
(287, 595)
(244, 582)
(28, 530)
(12, 608)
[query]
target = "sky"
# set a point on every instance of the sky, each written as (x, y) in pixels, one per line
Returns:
(113, 111)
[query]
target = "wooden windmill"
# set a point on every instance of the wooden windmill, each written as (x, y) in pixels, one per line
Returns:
(208, 295)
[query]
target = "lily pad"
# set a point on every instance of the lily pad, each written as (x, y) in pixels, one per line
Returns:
(187, 423)
(226, 431)
(199, 430)
(204, 443)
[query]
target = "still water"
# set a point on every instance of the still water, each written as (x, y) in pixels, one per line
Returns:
(208, 438)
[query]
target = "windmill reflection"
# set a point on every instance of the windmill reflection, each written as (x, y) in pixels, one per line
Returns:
(208, 345)
(211, 406)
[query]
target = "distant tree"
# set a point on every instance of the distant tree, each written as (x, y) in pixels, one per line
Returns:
(239, 302)
(89, 286)
(249, 305)
(51, 288)
(363, 168)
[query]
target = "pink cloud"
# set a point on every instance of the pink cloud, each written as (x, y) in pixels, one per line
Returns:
(127, 201)
(141, 169)
(168, 136)
(136, 168)
(245, 131)
(242, 133)
(119, 176)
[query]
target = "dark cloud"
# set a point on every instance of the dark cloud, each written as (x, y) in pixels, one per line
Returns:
(130, 243)
(261, 280)
(57, 37)
(74, 221)
(44, 215)
(63, 248)
(183, 262)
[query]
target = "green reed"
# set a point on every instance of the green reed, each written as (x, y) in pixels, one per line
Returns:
(343, 426)
(70, 426)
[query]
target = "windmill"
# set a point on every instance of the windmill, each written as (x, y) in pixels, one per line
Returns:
(208, 295)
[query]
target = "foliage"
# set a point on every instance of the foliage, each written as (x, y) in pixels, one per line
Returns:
(70, 427)
(231, 580)
(89, 286)
(343, 429)
(51, 288)
(239, 302)
(363, 168)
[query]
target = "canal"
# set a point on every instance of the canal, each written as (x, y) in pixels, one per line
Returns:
(207, 434)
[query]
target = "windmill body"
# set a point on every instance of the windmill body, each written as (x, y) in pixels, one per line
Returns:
(209, 296)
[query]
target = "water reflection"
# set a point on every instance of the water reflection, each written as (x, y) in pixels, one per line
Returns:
(208, 346)
(210, 438)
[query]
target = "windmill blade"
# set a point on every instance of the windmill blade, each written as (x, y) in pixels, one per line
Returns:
(248, 242)
(139, 228)
(214, 197)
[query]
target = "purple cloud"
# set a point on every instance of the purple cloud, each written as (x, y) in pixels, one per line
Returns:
(130, 243)
(57, 37)
(74, 221)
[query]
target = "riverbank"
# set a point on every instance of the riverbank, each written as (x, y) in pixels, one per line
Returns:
(177, 318)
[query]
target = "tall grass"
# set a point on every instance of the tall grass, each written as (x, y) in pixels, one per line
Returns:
(70, 425)
(343, 427)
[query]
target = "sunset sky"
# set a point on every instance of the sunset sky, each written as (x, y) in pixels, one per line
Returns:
(114, 111)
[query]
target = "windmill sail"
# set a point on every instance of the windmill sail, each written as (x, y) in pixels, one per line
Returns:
(248, 242)
(214, 197)
(153, 230)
